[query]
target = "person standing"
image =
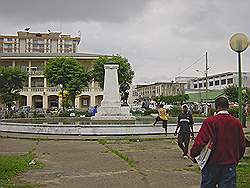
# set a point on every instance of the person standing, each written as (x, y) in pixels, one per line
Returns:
(185, 123)
(94, 111)
(228, 146)
(245, 114)
(163, 116)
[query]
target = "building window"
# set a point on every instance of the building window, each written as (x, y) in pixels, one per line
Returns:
(217, 82)
(211, 83)
(7, 45)
(223, 82)
(195, 85)
(230, 80)
(205, 84)
(85, 102)
(200, 85)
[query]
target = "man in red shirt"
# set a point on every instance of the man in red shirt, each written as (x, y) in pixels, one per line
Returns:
(228, 147)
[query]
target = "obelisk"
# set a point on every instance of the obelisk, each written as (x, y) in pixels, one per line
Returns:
(111, 108)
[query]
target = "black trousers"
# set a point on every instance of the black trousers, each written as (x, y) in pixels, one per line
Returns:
(164, 123)
(183, 142)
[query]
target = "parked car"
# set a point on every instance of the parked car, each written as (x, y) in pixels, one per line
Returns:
(70, 109)
(137, 109)
(168, 106)
(39, 110)
(53, 110)
(25, 109)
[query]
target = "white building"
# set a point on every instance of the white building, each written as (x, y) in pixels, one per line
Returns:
(219, 81)
(26, 42)
(159, 89)
(37, 92)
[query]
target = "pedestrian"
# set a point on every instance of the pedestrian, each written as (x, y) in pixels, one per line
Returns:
(163, 116)
(228, 146)
(245, 114)
(94, 111)
(185, 123)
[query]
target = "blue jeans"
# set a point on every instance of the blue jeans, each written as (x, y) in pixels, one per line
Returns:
(222, 175)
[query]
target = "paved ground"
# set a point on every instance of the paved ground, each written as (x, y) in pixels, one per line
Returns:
(90, 164)
(82, 163)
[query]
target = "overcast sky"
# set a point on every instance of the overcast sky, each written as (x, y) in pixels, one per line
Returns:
(160, 38)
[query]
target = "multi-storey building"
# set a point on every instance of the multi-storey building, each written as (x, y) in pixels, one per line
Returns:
(26, 42)
(160, 89)
(184, 79)
(37, 92)
(219, 81)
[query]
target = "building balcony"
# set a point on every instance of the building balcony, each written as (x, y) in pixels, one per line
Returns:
(41, 89)
(54, 90)
(35, 72)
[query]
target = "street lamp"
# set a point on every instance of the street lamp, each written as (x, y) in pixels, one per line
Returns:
(62, 89)
(239, 43)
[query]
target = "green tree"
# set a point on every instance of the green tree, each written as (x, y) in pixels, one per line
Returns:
(76, 85)
(232, 93)
(182, 98)
(11, 82)
(172, 99)
(69, 74)
(125, 72)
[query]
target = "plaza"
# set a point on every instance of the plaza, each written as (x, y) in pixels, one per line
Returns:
(152, 161)
(90, 164)
(124, 94)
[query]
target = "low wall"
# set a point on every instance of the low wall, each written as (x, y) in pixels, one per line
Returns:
(88, 121)
(101, 129)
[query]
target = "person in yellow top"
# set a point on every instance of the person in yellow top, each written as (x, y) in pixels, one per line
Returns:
(163, 116)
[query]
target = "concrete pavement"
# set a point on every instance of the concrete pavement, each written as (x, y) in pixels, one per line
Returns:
(158, 163)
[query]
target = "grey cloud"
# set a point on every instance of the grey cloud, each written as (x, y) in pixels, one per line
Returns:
(211, 20)
(159, 37)
(42, 11)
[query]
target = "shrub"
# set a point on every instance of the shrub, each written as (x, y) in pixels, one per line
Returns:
(64, 114)
(137, 112)
(80, 113)
(234, 111)
(211, 112)
(150, 111)
(34, 115)
(175, 111)
(40, 115)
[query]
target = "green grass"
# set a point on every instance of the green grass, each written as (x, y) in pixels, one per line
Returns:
(11, 166)
(131, 163)
(243, 173)
(124, 157)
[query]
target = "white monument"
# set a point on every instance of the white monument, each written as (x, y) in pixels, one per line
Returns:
(111, 108)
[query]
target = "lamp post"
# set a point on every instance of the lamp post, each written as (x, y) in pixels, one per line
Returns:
(239, 43)
(62, 89)
(206, 72)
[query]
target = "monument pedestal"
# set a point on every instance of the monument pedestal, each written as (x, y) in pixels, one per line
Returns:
(113, 113)
(111, 108)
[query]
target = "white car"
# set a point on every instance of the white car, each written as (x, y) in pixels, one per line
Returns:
(168, 106)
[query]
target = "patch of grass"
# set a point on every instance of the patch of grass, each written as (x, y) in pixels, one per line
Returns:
(11, 166)
(102, 141)
(243, 173)
(122, 156)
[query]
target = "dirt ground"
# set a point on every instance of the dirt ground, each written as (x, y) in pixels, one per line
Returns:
(157, 163)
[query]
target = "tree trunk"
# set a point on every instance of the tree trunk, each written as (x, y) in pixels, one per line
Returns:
(73, 99)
